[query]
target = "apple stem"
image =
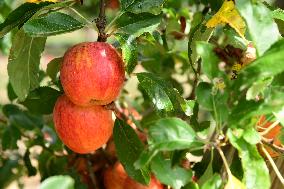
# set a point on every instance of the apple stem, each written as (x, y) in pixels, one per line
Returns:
(101, 23)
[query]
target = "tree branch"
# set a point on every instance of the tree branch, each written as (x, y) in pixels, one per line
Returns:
(101, 23)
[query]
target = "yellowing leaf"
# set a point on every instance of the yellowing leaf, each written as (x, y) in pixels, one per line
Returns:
(234, 183)
(228, 14)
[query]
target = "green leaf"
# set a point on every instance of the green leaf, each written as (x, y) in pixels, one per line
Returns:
(6, 43)
(140, 6)
(251, 135)
(58, 182)
(208, 173)
(41, 100)
(53, 68)
(257, 88)
(198, 34)
(11, 94)
(246, 109)
(269, 65)
(22, 119)
(278, 14)
(256, 173)
(128, 45)
(20, 15)
(128, 148)
(10, 137)
(175, 177)
(24, 62)
(31, 169)
(163, 96)
(259, 18)
(191, 185)
(10, 170)
(137, 24)
(209, 59)
(214, 182)
(172, 134)
(53, 24)
(280, 116)
(204, 95)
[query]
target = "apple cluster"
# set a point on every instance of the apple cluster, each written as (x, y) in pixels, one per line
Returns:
(92, 75)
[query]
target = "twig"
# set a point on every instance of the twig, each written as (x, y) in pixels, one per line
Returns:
(195, 82)
(280, 177)
(118, 113)
(268, 129)
(269, 142)
(91, 172)
(101, 22)
(224, 160)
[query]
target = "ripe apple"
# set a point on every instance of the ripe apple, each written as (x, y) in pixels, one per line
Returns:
(113, 4)
(114, 177)
(132, 184)
(117, 178)
(92, 73)
(82, 129)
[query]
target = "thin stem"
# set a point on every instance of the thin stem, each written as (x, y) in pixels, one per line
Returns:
(280, 177)
(268, 129)
(91, 172)
(224, 160)
(165, 43)
(274, 147)
(216, 115)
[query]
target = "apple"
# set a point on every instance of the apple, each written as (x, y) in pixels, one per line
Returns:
(132, 184)
(116, 178)
(82, 129)
(92, 73)
(113, 4)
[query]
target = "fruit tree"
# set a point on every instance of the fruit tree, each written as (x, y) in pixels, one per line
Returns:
(142, 94)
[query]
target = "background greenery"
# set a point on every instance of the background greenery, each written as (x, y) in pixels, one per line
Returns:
(191, 107)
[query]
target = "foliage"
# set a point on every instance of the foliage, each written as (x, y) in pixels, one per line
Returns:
(207, 73)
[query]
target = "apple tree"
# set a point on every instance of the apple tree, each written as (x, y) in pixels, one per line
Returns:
(181, 94)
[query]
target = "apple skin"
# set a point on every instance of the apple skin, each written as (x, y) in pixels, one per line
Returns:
(132, 184)
(92, 73)
(116, 178)
(82, 129)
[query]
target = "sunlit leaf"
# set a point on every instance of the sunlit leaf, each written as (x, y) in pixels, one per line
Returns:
(228, 14)
(234, 183)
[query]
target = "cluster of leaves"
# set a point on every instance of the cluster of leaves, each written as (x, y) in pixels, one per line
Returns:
(172, 43)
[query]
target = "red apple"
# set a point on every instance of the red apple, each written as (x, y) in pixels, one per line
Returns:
(82, 129)
(117, 178)
(114, 177)
(92, 73)
(132, 184)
